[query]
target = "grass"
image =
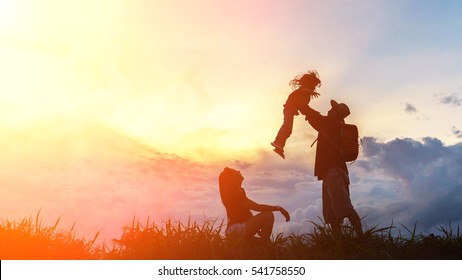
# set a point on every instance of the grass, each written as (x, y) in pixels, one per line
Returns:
(29, 239)
(173, 240)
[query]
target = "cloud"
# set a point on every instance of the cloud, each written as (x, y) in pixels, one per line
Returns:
(100, 179)
(403, 181)
(452, 99)
(110, 179)
(410, 108)
(456, 132)
(428, 187)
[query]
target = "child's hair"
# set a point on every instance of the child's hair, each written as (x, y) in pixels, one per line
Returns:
(309, 78)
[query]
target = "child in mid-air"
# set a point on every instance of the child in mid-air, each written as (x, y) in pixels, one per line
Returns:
(303, 90)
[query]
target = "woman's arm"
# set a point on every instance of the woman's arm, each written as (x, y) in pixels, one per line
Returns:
(263, 207)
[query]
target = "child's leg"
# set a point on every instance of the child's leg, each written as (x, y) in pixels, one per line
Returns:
(286, 129)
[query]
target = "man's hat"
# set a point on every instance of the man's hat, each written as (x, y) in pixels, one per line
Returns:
(342, 109)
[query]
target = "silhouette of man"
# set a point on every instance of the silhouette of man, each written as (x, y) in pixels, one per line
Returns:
(330, 167)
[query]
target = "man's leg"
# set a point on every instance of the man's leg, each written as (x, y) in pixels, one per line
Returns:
(336, 227)
(355, 222)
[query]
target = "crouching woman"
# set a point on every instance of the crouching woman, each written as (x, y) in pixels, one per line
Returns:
(241, 222)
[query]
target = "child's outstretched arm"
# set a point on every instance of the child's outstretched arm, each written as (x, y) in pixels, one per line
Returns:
(315, 94)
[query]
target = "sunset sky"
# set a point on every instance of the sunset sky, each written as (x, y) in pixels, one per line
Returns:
(117, 109)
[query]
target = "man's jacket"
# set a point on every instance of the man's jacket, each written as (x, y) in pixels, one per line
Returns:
(327, 154)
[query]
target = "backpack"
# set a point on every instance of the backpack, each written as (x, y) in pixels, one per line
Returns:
(349, 142)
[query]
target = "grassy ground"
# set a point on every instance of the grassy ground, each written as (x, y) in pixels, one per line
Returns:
(29, 239)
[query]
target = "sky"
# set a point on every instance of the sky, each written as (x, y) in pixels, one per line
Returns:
(115, 110)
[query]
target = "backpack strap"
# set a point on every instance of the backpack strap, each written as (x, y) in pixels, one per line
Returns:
(313, 142)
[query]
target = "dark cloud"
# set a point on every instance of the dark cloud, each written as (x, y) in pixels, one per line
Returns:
(453, 99)
(429, 190)
(403, 181)
(401, 157)
(410, 108)
(456, 132)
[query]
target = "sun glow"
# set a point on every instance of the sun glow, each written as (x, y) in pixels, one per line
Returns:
(7, 12)
(89, 62)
